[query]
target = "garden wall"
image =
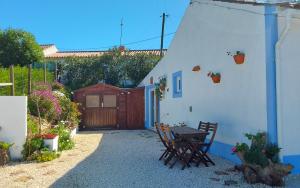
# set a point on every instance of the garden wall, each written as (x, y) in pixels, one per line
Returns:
(13, 123)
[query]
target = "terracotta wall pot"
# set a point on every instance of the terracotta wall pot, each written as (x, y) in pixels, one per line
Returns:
(216, 79)
(239, 58)
(4, 158)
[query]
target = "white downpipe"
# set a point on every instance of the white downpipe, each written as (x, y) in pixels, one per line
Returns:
(278, 76)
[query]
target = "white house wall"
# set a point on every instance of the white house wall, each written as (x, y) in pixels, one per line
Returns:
(288, 69)
(206, 34)
(13, 123)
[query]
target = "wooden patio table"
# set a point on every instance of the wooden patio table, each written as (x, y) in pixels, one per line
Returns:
(188, 135)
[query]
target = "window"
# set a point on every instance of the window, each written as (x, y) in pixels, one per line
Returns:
(92, 101)
(109, 101)
(177, 84)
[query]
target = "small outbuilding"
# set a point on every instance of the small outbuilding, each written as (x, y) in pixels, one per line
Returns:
(107, 106)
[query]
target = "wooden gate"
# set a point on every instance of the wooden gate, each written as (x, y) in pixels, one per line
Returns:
(105, 106)
(132, 109)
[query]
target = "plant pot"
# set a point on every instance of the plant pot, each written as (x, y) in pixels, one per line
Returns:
(73, 132)
(239, 58)
(4, 157)
(52, 143)
(216, 79)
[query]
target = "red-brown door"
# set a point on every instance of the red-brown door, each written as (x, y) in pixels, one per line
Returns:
(100, 111)
(135, 107)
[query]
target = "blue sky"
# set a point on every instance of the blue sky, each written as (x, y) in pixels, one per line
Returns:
(93, 24)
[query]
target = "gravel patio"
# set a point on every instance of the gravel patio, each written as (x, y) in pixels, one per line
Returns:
(119, 159)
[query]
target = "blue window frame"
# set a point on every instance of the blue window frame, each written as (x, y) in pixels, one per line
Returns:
(177, 84)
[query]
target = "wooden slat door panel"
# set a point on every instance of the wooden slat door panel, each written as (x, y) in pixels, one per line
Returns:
(135, 109)
(97, 117)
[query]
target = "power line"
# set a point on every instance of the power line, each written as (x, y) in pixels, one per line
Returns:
(126, 44)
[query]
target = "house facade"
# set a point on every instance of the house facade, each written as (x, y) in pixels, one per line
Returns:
(259, 94)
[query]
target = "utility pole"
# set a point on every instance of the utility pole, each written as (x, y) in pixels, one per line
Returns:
(122, 24)
(162, 33)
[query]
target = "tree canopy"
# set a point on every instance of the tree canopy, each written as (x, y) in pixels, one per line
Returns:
(116, 68)
(18, 47)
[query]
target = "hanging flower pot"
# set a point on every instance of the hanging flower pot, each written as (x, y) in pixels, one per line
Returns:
(239, 58)
(216, 77)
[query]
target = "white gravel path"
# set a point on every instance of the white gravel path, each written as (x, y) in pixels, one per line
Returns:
(122, 159)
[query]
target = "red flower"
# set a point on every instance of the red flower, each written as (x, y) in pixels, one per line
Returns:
(48, 136)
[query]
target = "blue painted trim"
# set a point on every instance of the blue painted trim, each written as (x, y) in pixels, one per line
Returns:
(225, 151)
(148, 89)
(271, 36)
(176, 94)
(294, 160)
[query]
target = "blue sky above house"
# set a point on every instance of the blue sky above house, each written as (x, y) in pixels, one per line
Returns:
(93, 24)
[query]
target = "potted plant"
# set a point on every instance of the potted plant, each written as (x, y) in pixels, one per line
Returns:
(4, 152)
(260, 161)
(51, 141)
(163, 84)
(216, 77)
(239, 57)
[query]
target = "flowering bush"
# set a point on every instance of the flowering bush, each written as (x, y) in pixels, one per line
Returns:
(70, 112)
(64, 140)
(44, 104)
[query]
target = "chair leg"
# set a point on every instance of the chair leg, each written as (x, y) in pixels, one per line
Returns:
(169, 158)
(208, 159)
(163, 155)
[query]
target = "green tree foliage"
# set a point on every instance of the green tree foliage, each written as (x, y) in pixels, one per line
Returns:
(81, 72)
(18, 47)
(21, 79)
(115, 68)
(140, 65)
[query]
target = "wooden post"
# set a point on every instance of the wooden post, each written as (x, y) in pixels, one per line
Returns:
(45, 72)
(29, 78)
(12, 80)
(56, 74)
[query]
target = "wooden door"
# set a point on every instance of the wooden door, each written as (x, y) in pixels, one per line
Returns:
(100, 110)
(135, 106)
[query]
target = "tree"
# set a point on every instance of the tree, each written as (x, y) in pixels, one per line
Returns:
(18, 47)
(139, 66)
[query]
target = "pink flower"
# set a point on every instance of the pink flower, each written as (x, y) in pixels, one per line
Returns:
(48, 95)
(234, 150)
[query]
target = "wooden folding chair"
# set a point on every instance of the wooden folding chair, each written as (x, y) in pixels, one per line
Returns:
(205, 146)
(167, 145)
(178, 148)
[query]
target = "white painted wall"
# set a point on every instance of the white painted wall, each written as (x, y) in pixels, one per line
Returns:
(13, 123)
(288, 70)
(206, 33)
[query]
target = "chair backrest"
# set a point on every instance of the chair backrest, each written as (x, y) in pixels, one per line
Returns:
(160, 133)
(167, 135)
(164, 133)
(212, 129)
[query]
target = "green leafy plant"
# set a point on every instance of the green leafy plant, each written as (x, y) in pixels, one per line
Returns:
(64, 141)
(31, 146)
(259, 152)
(46, 155)
(5, 145)
(32, 125)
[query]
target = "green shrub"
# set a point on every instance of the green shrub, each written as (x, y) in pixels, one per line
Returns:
(69, 110)
(46, 155)
(64, 141)
(5, 145)
(32, 126)
(45, 104)
(31, 146)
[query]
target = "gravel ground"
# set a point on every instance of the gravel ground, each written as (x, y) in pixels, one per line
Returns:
(120, 159)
